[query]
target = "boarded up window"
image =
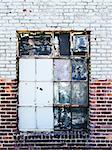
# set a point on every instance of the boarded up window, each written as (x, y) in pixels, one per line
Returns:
(53, 80)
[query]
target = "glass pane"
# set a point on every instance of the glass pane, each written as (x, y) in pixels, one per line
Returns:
(64, 44)
(26, 93)
(62, 118)
(79, 93)
(79, 68)
(62, 69)
(79, 117)
(44, 70)
(62, 92)
(27, 70)
(80, 43)
(44, 93)
(45, 118)
(27, 118)
(39, 44)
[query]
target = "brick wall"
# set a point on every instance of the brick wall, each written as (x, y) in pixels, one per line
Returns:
(92, 15)
(8, 112)
(100, 114)
(98, 136)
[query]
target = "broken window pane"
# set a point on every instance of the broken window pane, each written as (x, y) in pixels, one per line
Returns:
(26, 93)
(79, 68)
(79, 93)
(56, 50)
(62, 118)
(38, 44)
(49, 86)
(27, 70)
(44, 70)
(44, 93)
(62, 69)
(27, 120)
(80, 43)
(44, 118)
(64, 44)
(79, 117)
(62, 92)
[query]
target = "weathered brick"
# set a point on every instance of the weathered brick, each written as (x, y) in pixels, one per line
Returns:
(93, 15)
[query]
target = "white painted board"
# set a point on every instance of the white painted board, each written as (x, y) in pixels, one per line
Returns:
(27, 70)
(44, 93)
(44, 118)
(27, 119)
(26, 93)
(44, 70)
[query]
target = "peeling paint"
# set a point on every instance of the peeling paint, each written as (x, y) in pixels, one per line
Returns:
(62, 118)
(80, 43)
(79, 117)
(35, 45)
(62, 92)
(79, 68)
